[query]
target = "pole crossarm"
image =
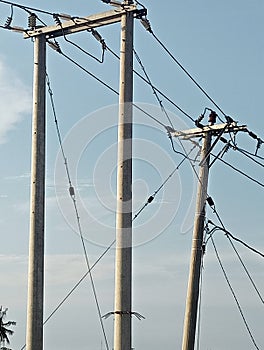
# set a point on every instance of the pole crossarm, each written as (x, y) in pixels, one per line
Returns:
(214, 129)
(77, 24)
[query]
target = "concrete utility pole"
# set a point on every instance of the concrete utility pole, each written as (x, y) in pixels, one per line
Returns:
(196, 254)
(123, 268)
(125, 13)
(34, 337)
(207, 132)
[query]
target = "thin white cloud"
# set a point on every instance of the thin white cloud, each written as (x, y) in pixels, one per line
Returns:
(17, 177)
(15, 100)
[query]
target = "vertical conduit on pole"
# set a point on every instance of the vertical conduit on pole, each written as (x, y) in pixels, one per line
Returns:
(34, 338)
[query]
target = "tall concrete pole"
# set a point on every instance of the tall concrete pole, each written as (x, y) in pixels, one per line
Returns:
(196, 255)
(34, 338)
(123, 277)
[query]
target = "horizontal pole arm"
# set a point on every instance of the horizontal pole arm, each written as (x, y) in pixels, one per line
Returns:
(77, 24)
(214, 129)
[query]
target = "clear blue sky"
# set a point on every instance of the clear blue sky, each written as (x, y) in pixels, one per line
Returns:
(221, 45)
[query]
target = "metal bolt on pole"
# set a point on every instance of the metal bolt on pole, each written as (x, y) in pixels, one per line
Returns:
(34, 339)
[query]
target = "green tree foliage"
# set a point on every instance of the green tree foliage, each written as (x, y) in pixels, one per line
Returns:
(5, 332)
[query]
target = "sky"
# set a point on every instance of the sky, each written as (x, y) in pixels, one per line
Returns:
(221, 45)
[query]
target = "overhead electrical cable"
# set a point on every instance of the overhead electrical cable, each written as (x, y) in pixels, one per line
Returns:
(55, 46)
(145, 22)
(164, 111)
(78, 219)
(59, 23)
(70, 183)
(151, 198)
(154, 87)
(23, 7)
(251, 154)
(153, 90)
(229, 236)
(239, 171)
(245, 268)
(234, 295)
(248, 156)
(75, 286)
(236, 239)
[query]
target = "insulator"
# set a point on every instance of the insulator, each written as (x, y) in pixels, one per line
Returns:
(57, 19)
(254, 136)
(210, 201)
(32, 21)
(8, 22)
(212, 118)
(71, 190)
(223, 139)
(55, 46)
(200, 118)
(150, 199)
(146, 24)
(199, 125)
(97, 35)
(229, 119)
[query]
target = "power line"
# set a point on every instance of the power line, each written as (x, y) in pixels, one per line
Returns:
(75, 286)
(154, 91)
(76, 209)
(147, 26)
(248, 156)
(55, 46)
(26, 7)
(245, 268)
(154, 87)
(74, 201)
(235, 238)
(151, 198)
(229, 236)
(251, 154)
(239, 171)
(59, 23)
(234, 295)
(159, 102)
